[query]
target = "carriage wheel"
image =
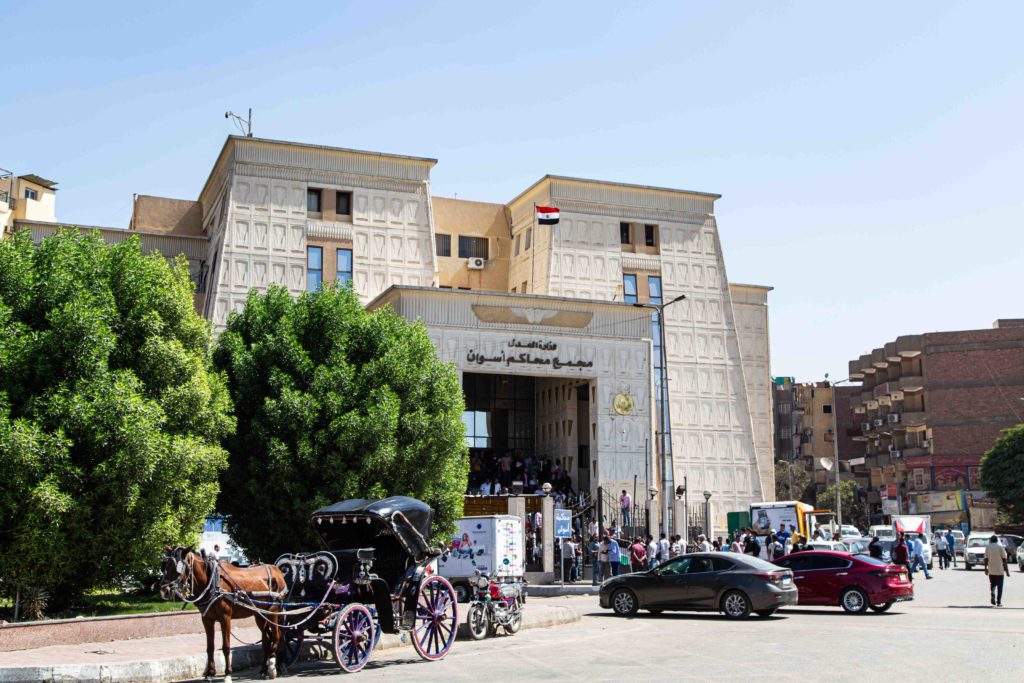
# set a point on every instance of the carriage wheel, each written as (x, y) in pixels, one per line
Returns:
(437, 618)
(353, 637)
(290, 648)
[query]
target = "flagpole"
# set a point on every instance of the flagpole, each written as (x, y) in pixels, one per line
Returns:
(533, 249)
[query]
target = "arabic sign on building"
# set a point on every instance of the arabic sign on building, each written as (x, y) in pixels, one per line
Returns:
(527, 352)
(947, 501)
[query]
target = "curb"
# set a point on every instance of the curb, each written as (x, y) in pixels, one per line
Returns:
(554, 590)
(188, 667)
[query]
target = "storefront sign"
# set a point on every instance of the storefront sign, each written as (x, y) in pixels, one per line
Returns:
(949, 501)
(514, 356)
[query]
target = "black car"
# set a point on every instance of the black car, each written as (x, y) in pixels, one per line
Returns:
(715, 582)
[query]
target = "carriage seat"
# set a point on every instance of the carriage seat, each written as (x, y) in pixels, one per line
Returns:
(350, 555)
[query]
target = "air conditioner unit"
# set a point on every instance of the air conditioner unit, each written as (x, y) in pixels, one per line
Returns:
(926, 443)
(892, 447)
(865, 426)
(896, 453)
(893, 417)
(476, 263)
(879, 422)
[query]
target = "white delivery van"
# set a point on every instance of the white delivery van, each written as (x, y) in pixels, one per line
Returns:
(491, 544)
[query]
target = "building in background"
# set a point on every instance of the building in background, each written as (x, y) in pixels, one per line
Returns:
(787, 419)
(26, 198)
(929, 407)
(541, 321)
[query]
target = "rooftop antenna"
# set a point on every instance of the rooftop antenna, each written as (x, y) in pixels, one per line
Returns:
(244, 125)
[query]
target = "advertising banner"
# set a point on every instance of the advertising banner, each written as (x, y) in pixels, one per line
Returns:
(948, 501)
(766, 519)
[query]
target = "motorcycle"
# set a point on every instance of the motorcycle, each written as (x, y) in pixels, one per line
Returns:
(495, 604)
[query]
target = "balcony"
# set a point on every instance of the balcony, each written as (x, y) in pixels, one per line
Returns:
(913, 419)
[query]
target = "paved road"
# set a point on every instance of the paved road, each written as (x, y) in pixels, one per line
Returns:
(949, 633)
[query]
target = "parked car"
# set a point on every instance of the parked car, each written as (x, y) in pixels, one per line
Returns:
(837, 546)
(857, 545)
(708, 582)
(883, 531)
(976, 542)
(1020, 557)
(854, 582)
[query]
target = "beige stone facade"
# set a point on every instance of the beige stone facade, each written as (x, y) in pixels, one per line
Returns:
(302, 215)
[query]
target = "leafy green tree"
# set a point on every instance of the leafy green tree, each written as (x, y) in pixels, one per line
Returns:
(792, 481)
(853, 509)
(111, 416)
(1002, 473)
(334, 402)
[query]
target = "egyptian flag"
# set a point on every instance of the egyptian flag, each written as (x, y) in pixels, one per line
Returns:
(547, 215)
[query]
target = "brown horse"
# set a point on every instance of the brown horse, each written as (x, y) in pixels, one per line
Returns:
(223, 592)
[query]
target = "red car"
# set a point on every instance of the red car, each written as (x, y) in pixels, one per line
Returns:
(854, 582)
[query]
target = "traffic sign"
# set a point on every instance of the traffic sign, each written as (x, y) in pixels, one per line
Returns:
(563, 523)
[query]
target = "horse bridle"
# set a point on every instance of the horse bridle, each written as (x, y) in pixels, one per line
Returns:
(183, 584)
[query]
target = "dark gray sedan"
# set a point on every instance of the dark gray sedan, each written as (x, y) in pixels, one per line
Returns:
(733, 584)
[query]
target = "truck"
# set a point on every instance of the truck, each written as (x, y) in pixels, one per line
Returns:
(767, 517)
(913, 525)
(494, 545)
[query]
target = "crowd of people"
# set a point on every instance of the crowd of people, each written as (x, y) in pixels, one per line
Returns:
(491, 474)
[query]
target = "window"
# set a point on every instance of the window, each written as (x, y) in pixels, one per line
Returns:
(700, 565)
(313, 201)
(343, 204)
(443, 244)
(624, 233)
(516, 250)
(31, 194)
(654, 285)
(649, 235)
(827, 409)
(528, 239)
(344, 266)
(828, 562)
(522, 288)
(785, 432)
(472, 247)
(629, 288)
(785, 408)
(513, 290)
(679, 565)
(314, 268)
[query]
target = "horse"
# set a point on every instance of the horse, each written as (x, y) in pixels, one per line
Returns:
(223, 592)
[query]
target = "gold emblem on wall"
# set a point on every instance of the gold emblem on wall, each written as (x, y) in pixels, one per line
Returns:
(623, 404)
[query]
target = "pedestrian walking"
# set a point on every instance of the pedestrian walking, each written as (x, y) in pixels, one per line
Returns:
(997, 569)
(901, 556)
(676, 547)
(917, 558)
(942, 550)
(775, 548)
(951, 540)
(702, 545)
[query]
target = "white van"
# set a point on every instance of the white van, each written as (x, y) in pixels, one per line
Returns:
(883, 531)
(493, 545)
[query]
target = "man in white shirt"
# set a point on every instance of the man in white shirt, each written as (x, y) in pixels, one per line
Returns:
(569, 560)
(663, 548)
(485, 488)
(997, 569)
(652, 552)
(703, 545)
(592, 528)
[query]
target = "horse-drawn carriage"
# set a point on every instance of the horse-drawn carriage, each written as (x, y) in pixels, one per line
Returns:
(378, 575)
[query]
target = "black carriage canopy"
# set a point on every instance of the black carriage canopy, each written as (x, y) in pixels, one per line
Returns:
(397, 523)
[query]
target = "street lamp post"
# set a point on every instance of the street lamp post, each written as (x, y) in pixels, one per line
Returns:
(835, 451)
(707, 514)
(667, 475)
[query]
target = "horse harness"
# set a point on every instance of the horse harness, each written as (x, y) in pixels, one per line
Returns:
(184, 585)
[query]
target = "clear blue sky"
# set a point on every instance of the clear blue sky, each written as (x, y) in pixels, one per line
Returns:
(869, 155)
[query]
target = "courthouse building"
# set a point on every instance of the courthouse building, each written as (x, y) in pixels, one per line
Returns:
(555, 358)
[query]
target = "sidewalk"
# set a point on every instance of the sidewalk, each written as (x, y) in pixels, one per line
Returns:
(180, 658)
